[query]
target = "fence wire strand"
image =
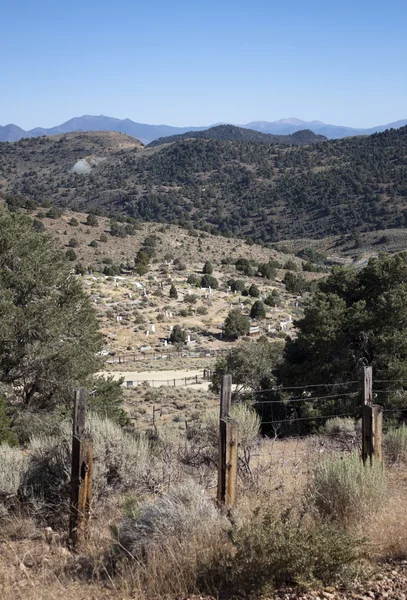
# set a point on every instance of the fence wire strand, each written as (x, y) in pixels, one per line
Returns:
(303, 399)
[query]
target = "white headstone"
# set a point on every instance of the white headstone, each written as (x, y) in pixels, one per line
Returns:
(165, 342)
(153, 328)
(188, 338)
(147, 333)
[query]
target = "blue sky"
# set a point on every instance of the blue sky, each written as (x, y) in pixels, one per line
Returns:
(197, 63)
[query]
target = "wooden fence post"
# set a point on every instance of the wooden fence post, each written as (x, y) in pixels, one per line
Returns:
(372, 422)
(228, 445)
(225, 396)
(81, 472)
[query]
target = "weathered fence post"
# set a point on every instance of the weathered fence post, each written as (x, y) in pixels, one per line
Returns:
(372, 421)
(225, 396)
(228, 445)
(81, 472)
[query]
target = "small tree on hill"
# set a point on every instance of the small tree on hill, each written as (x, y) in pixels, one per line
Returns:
(237, 286)
(267, 271)
(209, 281)
(141, 263)
(178, 335)
(207, 268)
(70, 254)
(92, 220)
(254, 291)
(173, 292)
(236, 325)
(257, 311)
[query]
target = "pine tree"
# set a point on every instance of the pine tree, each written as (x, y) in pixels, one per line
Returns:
(173, 292)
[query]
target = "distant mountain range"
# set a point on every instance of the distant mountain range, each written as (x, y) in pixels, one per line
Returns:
(147, 133)
(231, 133)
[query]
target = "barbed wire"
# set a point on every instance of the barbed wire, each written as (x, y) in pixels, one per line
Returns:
(305, 387)
(302, 399)
(390, 381)
(292, 421)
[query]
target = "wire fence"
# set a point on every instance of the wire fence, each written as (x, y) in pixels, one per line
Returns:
(156, 383)
(169, 355)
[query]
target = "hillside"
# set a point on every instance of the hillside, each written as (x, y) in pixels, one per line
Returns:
(246, 189)
(231, 133)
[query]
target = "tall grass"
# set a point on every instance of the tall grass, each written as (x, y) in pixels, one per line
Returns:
(344, 490)
(396, 444)
(13, 463)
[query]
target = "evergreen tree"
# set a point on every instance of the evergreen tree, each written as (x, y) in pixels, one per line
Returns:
(236, 324)
(178, 335)
(207, 268)
(257, 311)
(355, 318)
(49, 334)
(173, 292)
(254, 291)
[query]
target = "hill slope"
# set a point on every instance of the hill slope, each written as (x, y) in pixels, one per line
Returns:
(231, 133)
(267, 192)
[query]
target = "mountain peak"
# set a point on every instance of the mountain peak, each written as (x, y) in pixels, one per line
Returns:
(290, 121)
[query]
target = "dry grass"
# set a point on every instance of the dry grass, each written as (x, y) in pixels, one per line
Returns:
(34, 563)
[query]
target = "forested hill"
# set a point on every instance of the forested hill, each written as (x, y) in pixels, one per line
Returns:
(231, 133)
(267, 192)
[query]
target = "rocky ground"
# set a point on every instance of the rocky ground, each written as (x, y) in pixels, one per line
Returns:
(386, 581)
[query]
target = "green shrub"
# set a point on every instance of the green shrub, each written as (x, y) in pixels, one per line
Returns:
(271, 300)
(92, 220)
(38, 226)
(191, 298)
(345, 490)
(273, 550)
(193, 280)
(237, 286)
(103, 237)
(396, 444)
(290, 265)
(254, 291)
(209, 281)
(70, 254)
